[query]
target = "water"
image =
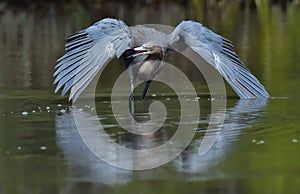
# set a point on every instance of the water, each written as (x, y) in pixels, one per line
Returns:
(257, 150)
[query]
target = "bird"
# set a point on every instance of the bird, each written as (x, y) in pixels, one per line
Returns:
(143, 50)
(146, 62)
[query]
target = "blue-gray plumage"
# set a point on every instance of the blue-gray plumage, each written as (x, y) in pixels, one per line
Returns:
(144, 48)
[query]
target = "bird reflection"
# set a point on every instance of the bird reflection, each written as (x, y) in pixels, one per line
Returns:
(244, 114)
(88, 167)
(136, 138)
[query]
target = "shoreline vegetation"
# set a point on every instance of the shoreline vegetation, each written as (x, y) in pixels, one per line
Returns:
(99, 4)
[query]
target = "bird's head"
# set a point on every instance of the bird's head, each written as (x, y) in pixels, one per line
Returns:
(149, 48)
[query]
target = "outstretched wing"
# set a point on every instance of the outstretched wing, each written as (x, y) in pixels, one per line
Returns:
(219, 53)
(87, 53)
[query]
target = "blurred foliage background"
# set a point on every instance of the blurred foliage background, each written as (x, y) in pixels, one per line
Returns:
(265, 32)
(93, 3)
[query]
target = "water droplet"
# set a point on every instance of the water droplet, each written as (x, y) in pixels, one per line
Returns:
(47, 107)
(24, 113)
(260, 142)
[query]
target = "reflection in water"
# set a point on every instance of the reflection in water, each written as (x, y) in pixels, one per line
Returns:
(244, 114)
(139, 142)
(88, 167)
(84, 164)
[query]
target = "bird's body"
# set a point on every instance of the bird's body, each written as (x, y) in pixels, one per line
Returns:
(145, 66)
(145, 62)
(143, 50)
(145, 70)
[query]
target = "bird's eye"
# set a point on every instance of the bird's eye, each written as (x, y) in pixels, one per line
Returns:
(149, 48)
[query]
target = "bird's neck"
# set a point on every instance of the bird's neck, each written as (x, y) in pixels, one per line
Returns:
(158, 56)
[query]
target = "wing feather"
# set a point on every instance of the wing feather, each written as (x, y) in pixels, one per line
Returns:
(88, 51)
(218, 52)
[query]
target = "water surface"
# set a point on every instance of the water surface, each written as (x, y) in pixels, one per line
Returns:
(257, 150)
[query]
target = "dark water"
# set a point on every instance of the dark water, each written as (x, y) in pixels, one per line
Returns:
(257, 150)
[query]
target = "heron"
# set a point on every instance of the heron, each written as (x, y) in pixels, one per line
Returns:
(143, 50)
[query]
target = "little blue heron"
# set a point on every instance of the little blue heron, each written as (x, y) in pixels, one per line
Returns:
(143, 49)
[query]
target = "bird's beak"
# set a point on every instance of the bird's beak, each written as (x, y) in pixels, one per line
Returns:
(140, 48)
(140, 51)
